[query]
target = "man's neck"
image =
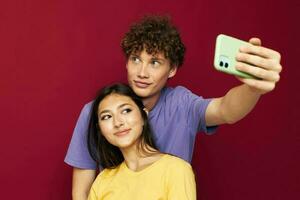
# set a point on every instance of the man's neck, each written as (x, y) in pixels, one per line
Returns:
(150, 102)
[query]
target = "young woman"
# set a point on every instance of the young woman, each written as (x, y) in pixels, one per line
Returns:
(120, 141)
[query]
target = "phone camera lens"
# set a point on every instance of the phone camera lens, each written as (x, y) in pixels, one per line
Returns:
(221, 63)
(226, 65)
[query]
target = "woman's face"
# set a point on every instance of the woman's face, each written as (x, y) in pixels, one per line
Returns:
(120, 120)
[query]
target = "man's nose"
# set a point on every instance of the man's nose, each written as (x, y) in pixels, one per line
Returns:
(143, 72)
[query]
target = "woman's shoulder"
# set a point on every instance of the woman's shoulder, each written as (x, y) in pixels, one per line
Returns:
(108, 173)
(176, 162)
(177, 169)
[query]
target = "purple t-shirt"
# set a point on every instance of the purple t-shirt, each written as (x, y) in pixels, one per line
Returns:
(176, 118)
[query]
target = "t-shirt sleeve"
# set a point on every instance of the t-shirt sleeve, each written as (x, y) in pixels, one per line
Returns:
(78, 155)
(181, 182)
(195, 107)
(92, 194)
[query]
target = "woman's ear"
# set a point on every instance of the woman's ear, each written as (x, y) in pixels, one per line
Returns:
(146, 111)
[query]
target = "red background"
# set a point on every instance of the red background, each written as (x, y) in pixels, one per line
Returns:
(55, 54)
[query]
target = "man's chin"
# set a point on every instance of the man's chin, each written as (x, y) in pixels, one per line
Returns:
(141, 92)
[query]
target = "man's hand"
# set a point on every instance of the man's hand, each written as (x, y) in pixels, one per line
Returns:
(261, 62)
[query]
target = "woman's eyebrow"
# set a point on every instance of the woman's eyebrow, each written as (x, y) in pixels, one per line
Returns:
(124, 104)
(120, 106)
(103, 111)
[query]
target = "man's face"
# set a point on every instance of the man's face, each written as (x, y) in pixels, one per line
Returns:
(147, 74)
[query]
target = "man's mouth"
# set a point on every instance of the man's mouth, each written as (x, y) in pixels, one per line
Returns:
(141, 84)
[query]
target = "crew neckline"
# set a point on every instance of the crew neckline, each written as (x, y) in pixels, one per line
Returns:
(135, 173)
(161, 95)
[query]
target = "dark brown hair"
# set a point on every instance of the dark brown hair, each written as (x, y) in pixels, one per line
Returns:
(104, 153)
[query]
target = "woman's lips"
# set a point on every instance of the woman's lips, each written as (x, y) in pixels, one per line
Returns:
(141, 84)
(122, 133)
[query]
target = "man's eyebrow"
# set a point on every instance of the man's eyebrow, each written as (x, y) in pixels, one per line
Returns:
(158, 58)
(134, 54)
(158, 55)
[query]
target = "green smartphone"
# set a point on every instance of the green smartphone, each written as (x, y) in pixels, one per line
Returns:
(225, 52)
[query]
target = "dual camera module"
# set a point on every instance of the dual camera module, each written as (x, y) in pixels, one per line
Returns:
(223, 61)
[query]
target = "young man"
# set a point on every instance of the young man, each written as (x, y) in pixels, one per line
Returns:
(154, 52)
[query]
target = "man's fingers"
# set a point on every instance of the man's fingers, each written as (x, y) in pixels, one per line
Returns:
(267, 75)
(255, 60)
(261, 85)
(261, 51)
(255, 41)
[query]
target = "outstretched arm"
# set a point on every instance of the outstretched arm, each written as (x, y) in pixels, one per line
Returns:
(259, 61)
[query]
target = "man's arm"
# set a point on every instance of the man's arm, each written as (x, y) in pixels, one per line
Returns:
(82, 182)
(239, 101)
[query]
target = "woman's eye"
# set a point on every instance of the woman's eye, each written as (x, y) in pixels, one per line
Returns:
(105, 117)
(127, 110)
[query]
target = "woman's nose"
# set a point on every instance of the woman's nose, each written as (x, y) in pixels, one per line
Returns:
(118, 121)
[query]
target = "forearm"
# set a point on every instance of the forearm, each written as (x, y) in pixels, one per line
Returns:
(79, 196)
(82, 182)
(237, 103)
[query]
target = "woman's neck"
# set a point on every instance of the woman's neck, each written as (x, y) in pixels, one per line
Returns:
(138, 159)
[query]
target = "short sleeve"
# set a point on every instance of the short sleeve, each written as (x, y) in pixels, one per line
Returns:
(195, 107)
(78, 155)
(92, 194)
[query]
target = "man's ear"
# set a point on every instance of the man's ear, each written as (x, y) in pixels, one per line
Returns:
(172, 71)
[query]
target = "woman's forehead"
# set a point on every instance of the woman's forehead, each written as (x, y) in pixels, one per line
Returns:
(113, 101)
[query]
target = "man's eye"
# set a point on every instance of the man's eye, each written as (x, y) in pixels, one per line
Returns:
(127, 110)
(105, 117)
(135, 59)
(155, 63)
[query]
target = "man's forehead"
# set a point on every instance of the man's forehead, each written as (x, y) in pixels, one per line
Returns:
(156, 54)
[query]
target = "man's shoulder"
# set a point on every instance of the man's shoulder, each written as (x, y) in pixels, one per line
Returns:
(176, 92)
(176, 89)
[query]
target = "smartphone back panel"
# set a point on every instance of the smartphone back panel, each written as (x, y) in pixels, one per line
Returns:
(225, 52)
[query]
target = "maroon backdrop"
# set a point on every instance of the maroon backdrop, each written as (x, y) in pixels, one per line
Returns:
(55, 54)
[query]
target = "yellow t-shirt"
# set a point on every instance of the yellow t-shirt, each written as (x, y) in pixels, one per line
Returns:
(169, 178)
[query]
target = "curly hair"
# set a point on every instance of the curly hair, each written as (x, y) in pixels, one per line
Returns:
(155, 34)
